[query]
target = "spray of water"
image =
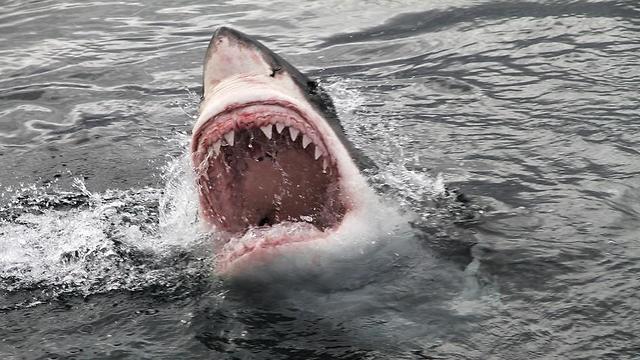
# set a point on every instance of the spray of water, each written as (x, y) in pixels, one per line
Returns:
(84, 242)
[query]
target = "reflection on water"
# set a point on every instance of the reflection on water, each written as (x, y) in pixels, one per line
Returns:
(528, 108)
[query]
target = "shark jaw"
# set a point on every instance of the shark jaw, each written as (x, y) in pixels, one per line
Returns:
(271, 163)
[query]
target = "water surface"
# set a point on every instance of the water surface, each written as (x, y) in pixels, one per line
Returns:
(529, 108)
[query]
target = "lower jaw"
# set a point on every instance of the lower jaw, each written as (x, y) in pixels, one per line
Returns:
(258, 246)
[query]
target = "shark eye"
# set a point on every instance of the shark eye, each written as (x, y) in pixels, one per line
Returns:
(313, 86)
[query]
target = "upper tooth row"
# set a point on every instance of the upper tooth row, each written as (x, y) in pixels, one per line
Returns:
(267, 130)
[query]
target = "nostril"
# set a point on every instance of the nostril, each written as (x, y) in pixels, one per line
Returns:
(274, 70)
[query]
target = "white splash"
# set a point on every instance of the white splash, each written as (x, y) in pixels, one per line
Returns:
(102, 241)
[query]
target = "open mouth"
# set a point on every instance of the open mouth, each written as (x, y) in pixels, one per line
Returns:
(263, 164)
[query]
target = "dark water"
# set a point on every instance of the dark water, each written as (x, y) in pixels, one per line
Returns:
(529, 108)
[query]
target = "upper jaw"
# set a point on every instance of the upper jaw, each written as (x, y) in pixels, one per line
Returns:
(247, 88)
(239, 90)
(269, 116)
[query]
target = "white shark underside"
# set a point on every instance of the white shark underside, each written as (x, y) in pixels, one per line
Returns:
(270, 157)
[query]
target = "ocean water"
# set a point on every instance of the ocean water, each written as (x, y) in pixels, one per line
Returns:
(507, 146)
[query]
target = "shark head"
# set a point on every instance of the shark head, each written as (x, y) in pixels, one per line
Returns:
(272, 163)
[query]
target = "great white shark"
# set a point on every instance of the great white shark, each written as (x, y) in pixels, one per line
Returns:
(272, 163)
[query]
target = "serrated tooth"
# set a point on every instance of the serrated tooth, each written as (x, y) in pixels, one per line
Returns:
(324, 164)
(267, 130)
(216, 147)
(279, 127)
(317, 153)
(229, 137)
(305, 141)
(294, 133)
